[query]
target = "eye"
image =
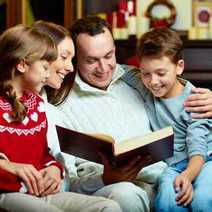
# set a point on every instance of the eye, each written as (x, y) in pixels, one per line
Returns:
(161, 74)
(145, 74)
(46, 67)
(108, 56)
(64, 57)
(91, 61)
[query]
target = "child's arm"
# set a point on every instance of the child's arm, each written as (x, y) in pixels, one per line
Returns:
(53, 173)
(183, 182)
(197, 133)
(19, 177)
(194, 167)
(9, 182)
(49, 160)
(52, 180)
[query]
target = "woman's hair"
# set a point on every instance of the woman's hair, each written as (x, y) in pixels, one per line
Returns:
(160, 42)
(17, 44)
(58, 33)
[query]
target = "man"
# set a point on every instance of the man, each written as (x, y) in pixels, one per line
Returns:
(101, 105)
(101, 102)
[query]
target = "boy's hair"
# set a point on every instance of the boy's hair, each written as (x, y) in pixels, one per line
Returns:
(21, 43)
(91, 25)
(58, 33)
(160, 42)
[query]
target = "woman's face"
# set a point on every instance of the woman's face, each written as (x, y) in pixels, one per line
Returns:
(63, 65)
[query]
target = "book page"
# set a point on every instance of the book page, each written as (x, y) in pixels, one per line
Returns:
(103, 137)
(136, 142)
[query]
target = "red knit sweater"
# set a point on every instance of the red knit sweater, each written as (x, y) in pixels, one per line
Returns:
(24, 142)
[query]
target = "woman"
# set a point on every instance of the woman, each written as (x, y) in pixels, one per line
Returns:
(61, 78)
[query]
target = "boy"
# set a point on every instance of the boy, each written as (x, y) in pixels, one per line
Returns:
(188, 172)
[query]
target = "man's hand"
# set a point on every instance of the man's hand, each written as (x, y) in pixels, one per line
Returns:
(128, 172)
(184, 189)
(52, 180)
(199, 103)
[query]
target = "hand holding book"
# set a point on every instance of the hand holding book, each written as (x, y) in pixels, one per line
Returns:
(126, 172)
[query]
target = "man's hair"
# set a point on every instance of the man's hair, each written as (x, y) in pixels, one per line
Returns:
(91, 25)
(160, 42)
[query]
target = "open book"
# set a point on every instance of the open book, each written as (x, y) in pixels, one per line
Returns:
(158, 144)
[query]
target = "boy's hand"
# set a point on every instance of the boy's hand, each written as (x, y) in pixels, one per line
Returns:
(184, 190)
(200, 104)
(52, 180)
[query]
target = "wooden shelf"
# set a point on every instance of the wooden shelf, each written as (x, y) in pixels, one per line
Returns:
(16, 11)
(197, 43)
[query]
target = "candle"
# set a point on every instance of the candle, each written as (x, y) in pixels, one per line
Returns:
(143, 24)
(132, 25)
(192, 33)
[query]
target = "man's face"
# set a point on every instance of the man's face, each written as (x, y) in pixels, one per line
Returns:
(96, 59)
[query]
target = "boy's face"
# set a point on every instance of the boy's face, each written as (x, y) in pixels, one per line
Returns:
(159, 75)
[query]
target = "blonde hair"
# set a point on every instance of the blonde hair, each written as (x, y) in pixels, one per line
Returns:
(16, 44)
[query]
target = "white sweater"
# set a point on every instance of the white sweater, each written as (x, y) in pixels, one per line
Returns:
(118, 111)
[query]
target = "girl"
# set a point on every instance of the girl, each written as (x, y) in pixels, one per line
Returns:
(25, 54)
(24, 63)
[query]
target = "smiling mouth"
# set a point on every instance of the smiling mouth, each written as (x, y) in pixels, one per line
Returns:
(62, 76)
(102, 75)
(157, 88)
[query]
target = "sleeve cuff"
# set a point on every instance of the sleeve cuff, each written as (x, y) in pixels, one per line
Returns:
(3, 156)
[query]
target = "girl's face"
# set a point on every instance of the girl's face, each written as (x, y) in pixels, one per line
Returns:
(63, 65)
(33, 76)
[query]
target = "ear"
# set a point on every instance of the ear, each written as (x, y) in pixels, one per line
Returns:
(21, 66)
(180, 67)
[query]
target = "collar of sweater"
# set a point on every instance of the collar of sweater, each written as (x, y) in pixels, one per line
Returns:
(83, 86)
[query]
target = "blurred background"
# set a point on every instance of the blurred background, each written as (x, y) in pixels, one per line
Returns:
(129, 19)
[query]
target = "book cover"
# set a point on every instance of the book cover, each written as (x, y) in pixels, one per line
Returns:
(158, 144)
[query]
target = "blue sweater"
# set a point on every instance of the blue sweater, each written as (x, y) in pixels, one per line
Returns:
(191, 136)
